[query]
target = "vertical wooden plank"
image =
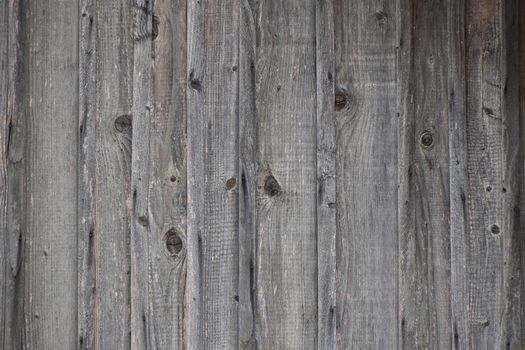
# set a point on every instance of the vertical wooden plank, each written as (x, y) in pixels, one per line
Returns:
(87, 175)
(286, 242)
(512, 324)
(482, 312)
(13, 121)
(51, 260)
(247, 173)
(326, 175)
(112, 148)
(458, 173)
(213, 265)
(423, 196)
(367, 236)
(159, 176)
(143, 333)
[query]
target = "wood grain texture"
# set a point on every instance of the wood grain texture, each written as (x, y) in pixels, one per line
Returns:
(13, 121)
(112, 177)
(213, 210)
(286, 242)
(247, 173)
(366, 185)
(51, 243)
(326, 175)
(487, 232)
(423, 195)
(159, 176)
(86, 175)
(244, 174)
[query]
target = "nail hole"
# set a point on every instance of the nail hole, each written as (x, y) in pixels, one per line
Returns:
(271, 186)
(173, 178)
(494, 229)
(427, 139)
(340, 100)
(504, 190)
(173, 242)
(123, 123)
(194, 82)
(230, 183)
(331, 205)
(488, 188)
(234, 68)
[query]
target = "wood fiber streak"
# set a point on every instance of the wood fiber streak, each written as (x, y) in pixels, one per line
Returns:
(423, 196)
(112, 177)
(213, 160)
(50, 252)
(366, 170)
(286, 243)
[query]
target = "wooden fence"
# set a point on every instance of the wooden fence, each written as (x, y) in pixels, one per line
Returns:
(262, 174)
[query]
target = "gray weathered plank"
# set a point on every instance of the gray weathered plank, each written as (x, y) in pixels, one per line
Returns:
(13, 109)
(286, 242)
(458, 174)
(51, 259)
(247, 173)
(423, 195)
(326, 175)
(143, 333)
(367, 236)
(486, 259)
(159, 177)
(112, 177)
(86, 176)
(212, 174)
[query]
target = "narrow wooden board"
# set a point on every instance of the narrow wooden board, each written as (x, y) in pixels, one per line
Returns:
(286, 242)
(367, 176)
(50, 259)
(213, 168)
(423, 195)
(112, 176)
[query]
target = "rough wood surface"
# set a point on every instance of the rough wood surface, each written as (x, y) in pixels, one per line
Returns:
(366, 183)
(243, 174)
(50, 252)
(423, 195)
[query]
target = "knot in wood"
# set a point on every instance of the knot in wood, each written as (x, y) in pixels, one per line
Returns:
(123, 123)
(427, 139)
(271, 186)
(340, 100)
(230, 183)
(173, 242)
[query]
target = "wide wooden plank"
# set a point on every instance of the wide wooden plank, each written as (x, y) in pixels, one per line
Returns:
(213, 211)
(366, 184)
(112, 176)
(487, 260)
(423, 195)
(159, 176)
(326, 175)
(51, 242)
(286, 243)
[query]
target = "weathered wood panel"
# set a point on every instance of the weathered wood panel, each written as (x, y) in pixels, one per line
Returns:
(50, 251)
(367, 152)
(423, 195)
(286, 245)
(241, 174)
